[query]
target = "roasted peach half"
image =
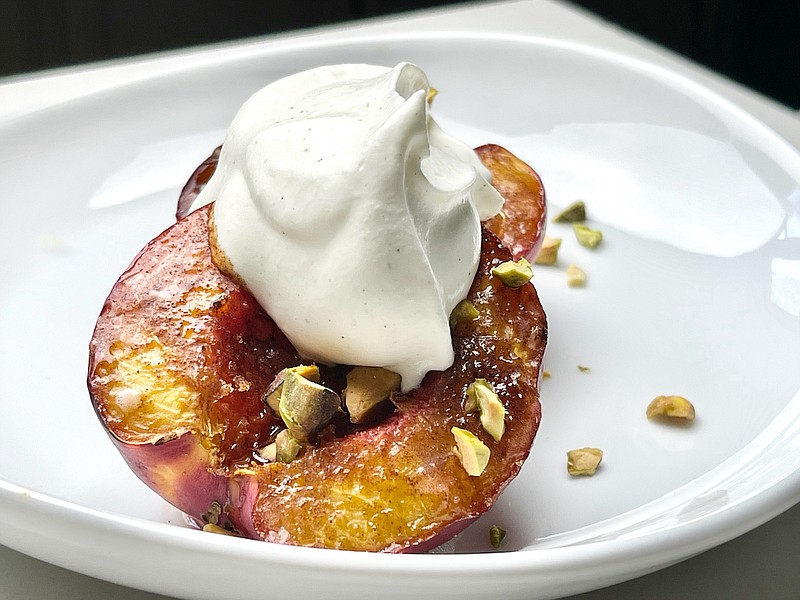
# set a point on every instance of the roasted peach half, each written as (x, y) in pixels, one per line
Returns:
(182, 358)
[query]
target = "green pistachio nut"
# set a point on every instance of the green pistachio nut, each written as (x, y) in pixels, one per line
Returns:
(464, 311)
(272, 396)
(587, 237)
(482, 397)
(496, 536)
(472, 452)
(583, 461)
(574, 213)
(286, 447)
(514, 274)
(576, 277)
(269, 453)
(305, 406)
(367, 389)
(548, 253)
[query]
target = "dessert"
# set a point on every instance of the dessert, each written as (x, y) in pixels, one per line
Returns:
(203, 381)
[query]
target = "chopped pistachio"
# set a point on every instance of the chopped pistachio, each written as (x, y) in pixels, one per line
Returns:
(574, 213)
(464, 311)
(286, 447)
(496, 536)
(273, 394)
(213, 528)
(548, 253)
(432, 92)
(482, 397)
(472, 452)
(576, 277)
(675, 407)
(367, 388)
(586, 236)
(305, 406)
(268, 453)
(212, 514)
(514, 274)
(583, 461)
(584, 369)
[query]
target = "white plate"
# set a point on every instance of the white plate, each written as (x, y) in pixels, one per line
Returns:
(695, 291)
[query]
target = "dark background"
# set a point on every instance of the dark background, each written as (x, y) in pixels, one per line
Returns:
(756, 43)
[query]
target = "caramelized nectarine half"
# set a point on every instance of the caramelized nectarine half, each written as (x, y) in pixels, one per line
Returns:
(182, 356)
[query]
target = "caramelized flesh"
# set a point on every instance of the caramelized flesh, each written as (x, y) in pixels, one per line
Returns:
(402, 480)
(182, 355)
(179, 347)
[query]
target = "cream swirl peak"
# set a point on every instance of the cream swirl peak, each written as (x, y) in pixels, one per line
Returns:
(351, 216)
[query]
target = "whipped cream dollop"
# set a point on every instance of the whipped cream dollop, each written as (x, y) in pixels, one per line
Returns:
(351, 216)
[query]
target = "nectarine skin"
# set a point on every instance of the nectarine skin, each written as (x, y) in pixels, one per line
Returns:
(182, 355)
(522, 220)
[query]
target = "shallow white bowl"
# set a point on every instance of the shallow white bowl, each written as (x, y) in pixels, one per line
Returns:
(694, 291)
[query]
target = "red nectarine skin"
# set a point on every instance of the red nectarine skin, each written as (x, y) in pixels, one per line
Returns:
(521, 223)
(196, 183)
(180, 359)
